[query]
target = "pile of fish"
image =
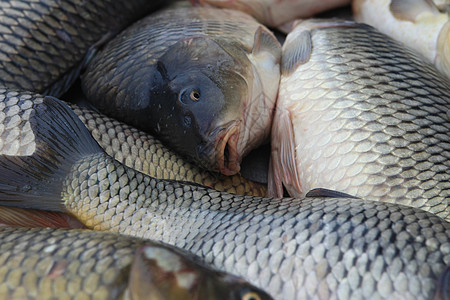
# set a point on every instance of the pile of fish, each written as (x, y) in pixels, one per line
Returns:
(359, 127)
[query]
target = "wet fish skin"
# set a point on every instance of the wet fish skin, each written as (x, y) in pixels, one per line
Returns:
(56, 263)
(43, 42)
(275, 13)
(417, 23)
(293, 248)
(184, 75)
(360, 114)
(142, 152)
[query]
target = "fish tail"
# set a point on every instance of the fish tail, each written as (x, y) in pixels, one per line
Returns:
(37, 154)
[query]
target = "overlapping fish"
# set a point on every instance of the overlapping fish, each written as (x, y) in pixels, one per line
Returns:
(82, 264)
(360, 114)
(43, 44)
(419, 24)
(142, 152)
(202, 80)
(310, 247)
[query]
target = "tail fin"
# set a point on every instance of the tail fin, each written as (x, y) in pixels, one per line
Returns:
(40, 140)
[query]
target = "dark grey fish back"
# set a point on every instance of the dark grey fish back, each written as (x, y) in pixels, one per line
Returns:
(321, 248)
(42, 42)
(111, 79)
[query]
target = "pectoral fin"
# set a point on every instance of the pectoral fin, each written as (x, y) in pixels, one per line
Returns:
(296, 52)
(265, 41)
(283, 167)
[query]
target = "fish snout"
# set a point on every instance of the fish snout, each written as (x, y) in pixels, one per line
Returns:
(228, 157)
(220, 149)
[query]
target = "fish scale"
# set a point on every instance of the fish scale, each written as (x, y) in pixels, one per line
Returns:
(144, 153)
(43, 42)
(92, 269)
(180, 25)
(74, 264)
(183, 75)
(368, 118)
(293, 248)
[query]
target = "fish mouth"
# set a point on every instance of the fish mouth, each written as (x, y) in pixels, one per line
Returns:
(228, 158)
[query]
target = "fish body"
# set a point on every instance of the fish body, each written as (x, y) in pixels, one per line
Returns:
(43, 44)
(276, 13)
(417, 23)
(310, 247)
(360, 114)
(202, 80)
(82, 264)
(142, 152)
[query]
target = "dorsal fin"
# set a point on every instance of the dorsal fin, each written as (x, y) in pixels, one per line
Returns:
(265, 41)
(296, 52)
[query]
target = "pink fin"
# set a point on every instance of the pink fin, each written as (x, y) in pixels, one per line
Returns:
(283, 166)
(19, 217)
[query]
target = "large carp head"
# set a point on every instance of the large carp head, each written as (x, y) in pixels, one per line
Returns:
(202, 92)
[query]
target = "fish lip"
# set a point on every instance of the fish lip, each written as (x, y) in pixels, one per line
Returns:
(228, 158)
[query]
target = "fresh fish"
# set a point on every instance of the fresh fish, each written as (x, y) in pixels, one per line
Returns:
(275, 13)
(202, 80)
(82, 264)
(417, 23)
(142, 152)
(44, 44)
(311, 247)
(360, 114)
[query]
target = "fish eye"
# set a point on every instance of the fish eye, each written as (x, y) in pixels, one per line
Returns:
(250, 296)
(194, 95)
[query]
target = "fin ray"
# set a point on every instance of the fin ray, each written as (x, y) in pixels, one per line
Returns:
(264, 40)
(283, 168)
(35, 180)
(296, 52)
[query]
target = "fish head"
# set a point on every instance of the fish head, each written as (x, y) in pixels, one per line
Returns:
(164, 272)
(200, 93)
